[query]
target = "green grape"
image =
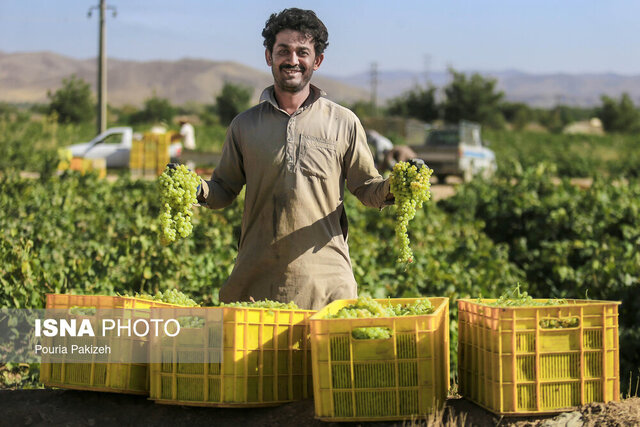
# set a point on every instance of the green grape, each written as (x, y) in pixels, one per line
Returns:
(371, 333)
(177, 194)
(82, 311)
(366, 307)
(191, 322)
(512, 297)
(172, 296)
(262, 304)
(410, 187)
(572, 322)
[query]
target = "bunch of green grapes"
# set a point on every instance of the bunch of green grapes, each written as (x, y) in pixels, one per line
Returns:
(410, 187)
(572, 322)
(263, 304)
(366, 307)
(82, 311)
(371, 333)
(172, 296)
(419, 307)
(191, 322)
(514, 298)
(177, 193)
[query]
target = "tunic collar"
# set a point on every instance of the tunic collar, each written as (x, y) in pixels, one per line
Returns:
(269, 96)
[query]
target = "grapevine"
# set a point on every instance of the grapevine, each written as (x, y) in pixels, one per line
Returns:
(366, 307)
(410, 187)
(177, 193)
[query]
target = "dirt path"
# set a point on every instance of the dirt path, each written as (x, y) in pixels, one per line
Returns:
(81, 408)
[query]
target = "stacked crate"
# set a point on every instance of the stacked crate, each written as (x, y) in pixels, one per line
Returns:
(150, 155)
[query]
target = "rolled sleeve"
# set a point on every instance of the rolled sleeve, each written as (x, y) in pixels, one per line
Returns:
(363, 179)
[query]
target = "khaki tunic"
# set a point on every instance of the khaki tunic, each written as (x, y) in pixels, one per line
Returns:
(293, 243)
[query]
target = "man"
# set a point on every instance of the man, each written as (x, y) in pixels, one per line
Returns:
(294, 151)
(187, 134)
(399, 153)
(381, 145)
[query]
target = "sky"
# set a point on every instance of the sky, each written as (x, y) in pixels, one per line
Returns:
(535, 36)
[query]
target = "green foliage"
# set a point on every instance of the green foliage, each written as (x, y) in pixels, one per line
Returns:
(232, 100)
(419, 103)
(560, 116)
(619, 116)
(473, 98)
(574, 156)
(30, 144)
(569, 241)
(73, 102)
(79, 234)
(83, 235)
(363, 109)
(517, 113)
(155, 110)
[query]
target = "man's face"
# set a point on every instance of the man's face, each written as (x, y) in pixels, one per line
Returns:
(293, 60)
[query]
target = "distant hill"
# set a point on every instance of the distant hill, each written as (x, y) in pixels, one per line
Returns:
(538, 90)
(26, 78)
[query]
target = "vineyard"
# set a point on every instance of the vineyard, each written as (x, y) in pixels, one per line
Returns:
(77, 233)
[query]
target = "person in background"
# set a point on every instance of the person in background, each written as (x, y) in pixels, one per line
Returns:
(293, 153)
(399, 153)
(381, 145)
(187, 134)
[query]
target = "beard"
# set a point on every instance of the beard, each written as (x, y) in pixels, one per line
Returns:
(291, 83)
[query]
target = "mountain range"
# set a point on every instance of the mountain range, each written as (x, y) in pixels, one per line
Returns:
(26, 78)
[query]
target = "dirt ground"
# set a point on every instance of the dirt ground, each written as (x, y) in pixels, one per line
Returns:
(81, 408)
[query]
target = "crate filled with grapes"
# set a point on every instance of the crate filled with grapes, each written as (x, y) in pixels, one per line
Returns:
(101, 373)
(518, 355)
(376, 360)
(244, 354)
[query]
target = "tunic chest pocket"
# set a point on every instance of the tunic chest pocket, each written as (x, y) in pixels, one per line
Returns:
(318, 156)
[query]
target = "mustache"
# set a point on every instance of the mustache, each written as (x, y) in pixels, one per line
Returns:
(293, 67)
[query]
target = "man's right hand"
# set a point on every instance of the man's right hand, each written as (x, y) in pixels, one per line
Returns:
(199, 190)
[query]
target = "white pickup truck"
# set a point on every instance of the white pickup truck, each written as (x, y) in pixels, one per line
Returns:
(457, 150)
(114, 145)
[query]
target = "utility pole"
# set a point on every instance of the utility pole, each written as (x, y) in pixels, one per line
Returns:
(102, 64)
(427, 69)
(374, 88)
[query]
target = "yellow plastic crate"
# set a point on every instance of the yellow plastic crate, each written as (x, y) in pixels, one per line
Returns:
(398, 378)
(101, 374)
(511, 365)
(266, 360)
(150, 155)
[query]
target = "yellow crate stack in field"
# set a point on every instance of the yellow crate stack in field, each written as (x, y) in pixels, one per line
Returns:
(150, 155)
(399, 378)
(538, 359)
(101, 374)
(266, 359)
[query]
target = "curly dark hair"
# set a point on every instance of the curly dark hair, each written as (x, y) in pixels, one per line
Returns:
(296, 19)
